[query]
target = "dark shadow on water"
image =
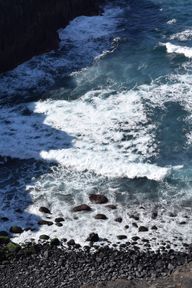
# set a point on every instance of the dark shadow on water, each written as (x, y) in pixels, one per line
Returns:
(24, 133)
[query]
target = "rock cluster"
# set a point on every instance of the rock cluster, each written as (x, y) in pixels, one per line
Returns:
(47, 265)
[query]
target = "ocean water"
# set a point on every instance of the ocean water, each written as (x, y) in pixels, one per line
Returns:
(108, 112)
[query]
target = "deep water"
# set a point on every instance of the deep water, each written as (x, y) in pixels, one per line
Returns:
(109, 112)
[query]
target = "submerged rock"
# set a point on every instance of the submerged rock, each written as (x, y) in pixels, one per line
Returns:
(16, 230)
(121, 237)
(55, 242)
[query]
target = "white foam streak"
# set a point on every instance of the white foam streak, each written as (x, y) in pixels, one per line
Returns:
(182, 36)
(183, 50)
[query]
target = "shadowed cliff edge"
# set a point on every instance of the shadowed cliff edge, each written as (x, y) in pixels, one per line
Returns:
(28, 28)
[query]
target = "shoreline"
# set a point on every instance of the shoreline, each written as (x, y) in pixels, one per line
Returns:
(66, 264)
(32, 29)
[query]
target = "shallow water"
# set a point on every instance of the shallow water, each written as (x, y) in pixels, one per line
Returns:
(108, 112)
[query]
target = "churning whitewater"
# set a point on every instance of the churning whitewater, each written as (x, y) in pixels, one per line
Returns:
(108, 112)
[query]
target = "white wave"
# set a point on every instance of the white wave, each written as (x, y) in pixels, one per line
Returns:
(183, 50)
(182, 36)
(111, 137)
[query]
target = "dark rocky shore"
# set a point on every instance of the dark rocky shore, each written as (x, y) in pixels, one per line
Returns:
(66, 264)
(28, 28)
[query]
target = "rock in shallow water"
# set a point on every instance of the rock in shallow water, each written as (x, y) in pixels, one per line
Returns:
(143, 229)
(44, 237)
(45, 222)
(111, 206)
(93, 237)
(44, 210)
(82, 207)
(98, 199)
(101, 217)
(16, 230)
(59, 219)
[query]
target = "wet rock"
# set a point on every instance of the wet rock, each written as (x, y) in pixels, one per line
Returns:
(173, 214)
(13, 247)
(101, 217)
(135, 225)
(4, 233)
(143, 229)
(154, 227)
(59, 224)
(119, 219)
(135, 238)
(45, 222)
(71, 242)
(126, 226)
(121, 237)
(98, 199)
(44, 210)
(28, 229)
(26, 112)
(93, 237)
(111, 206)
(154, 214)
(4, 239)
(55, 242)
(182, 223)
(59, 219)
(16, 230)
(82, 207)
(44, 237)
(136, 217)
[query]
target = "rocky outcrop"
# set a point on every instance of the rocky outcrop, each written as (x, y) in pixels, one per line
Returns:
(28, 28)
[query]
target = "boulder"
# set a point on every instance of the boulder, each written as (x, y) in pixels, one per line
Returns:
(121, 237)
(59, 219)
(143, 229)
(82, 207)
(101, 217)
(4, 240)
(119, 219)
(16, 230)
(98, 199)
(45, 222)
(44, 237)
(111, 206)
(44, 210)
(93, 237)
